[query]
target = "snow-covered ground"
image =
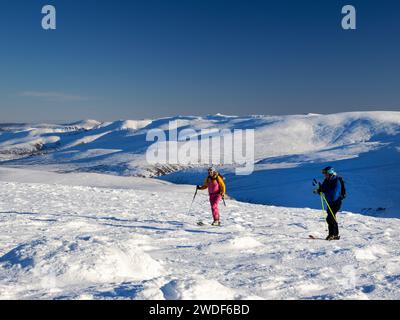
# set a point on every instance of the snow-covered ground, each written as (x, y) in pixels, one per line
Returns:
(289, 152)
(93, 236)
(100, 230)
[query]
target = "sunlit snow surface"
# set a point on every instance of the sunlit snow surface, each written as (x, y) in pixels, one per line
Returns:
(97, 232)
(91, 236)
(289, 152)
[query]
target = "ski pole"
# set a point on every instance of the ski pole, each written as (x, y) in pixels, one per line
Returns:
(322, 202)
(223, 199)
(323, 207)
(194, 197)
(316, 183)
(329, 207)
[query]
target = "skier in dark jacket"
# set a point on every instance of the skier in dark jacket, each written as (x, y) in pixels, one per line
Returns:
(332, 190)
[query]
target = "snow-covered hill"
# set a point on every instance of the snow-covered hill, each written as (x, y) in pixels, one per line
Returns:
(93, 236)
(289, 152)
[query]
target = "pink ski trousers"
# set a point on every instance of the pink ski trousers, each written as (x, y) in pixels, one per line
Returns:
(214, 201)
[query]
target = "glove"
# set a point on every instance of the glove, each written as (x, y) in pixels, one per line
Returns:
(198, 187)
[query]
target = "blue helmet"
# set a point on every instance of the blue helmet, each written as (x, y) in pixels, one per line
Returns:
(329, 170)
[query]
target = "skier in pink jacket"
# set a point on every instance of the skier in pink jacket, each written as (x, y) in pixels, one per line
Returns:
(216, 189)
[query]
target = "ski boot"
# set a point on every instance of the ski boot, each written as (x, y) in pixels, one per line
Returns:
(216, 223)
(330, 238)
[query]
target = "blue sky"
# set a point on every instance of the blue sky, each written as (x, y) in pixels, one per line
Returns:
(120, 59)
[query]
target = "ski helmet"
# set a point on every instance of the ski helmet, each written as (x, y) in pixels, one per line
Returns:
(212, 169)
(329, 170)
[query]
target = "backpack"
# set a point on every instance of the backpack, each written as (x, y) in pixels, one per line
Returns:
(343, 188)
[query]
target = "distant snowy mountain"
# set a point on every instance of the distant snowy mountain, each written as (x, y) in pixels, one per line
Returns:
(290, 151)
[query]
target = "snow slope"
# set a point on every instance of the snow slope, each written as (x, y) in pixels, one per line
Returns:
(289, 152)
(93, 236)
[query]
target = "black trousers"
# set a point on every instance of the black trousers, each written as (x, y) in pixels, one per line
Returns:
(332, 224)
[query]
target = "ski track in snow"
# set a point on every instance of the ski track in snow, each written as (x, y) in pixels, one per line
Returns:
(80, 242)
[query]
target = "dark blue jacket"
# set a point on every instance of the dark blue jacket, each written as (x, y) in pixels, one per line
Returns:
(332, 189)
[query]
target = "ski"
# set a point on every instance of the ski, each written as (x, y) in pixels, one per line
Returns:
(202, 224)
(314, 238)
